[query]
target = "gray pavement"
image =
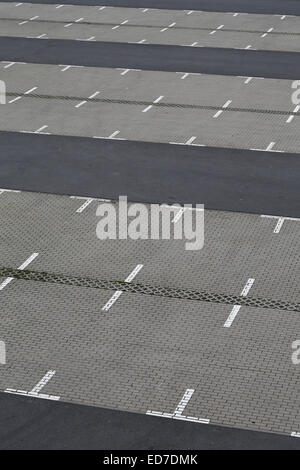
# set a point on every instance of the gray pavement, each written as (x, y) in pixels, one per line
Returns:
(168, 105)
(177, 27)
(56, 100)
(146, 351)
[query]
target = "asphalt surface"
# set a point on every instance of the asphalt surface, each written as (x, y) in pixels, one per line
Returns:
(270, 64)
(59, 426)
(247, 181)
(172, 27)
(201, 338)
(286, 7)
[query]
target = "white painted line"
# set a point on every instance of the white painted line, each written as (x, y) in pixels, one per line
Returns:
(191, 140)
(29, 91)
(194, 44)
(279, 225)
(15, 99)
(4, 190)
(227, 104)
(114, 134)
(85, 205)
(184, 401)
(41, 384)
(23, 22)
(279, 217)
(34, 18)
(247, 287)
(280, 221)
(221, 26)
(147, 109)
(2, 352)
(80, 104)
(177, 414)
(117, 294)
(295, 434)
(235, 310)
(40, 129)
(158, 99)
(60, 6)
(94, 94)
(178, 215)
(79, 19)
(67, 25)
(270, 146)
(35, 392)
(134, 273)
(218, 113)
(265, 34)
(21, 268)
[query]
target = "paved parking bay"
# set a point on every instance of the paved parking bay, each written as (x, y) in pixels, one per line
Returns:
(150, 26)
(147, 353)
(186, 103)
(57, 100)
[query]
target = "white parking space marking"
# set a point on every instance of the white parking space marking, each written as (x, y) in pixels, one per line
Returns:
(270, 148)
(154, 102)
(295, 434)
(2, 353)
(237, 308)
(121, 24)
(265, 34)
(290, 118)
(2, 190)
(166, 29)
(35, 392)
(21, 268)
(117, 294)
(177, 414)
(280, 221)
(218, 113)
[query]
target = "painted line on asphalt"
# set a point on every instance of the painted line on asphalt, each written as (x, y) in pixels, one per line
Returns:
(225, 105)
(235, 310)
(117, 294)
(154, 102)
(177, 414)
(35, 392)
(280, 221)
(21, 268)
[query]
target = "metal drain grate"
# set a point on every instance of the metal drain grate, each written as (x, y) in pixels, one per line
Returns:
(173, 293)
(160, 104)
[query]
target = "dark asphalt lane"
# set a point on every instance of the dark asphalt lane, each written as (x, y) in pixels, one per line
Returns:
(209, 60)
(222, 179)
(30, 423)
(280, 7)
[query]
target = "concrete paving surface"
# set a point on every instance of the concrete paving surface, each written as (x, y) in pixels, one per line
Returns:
(140, 343)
